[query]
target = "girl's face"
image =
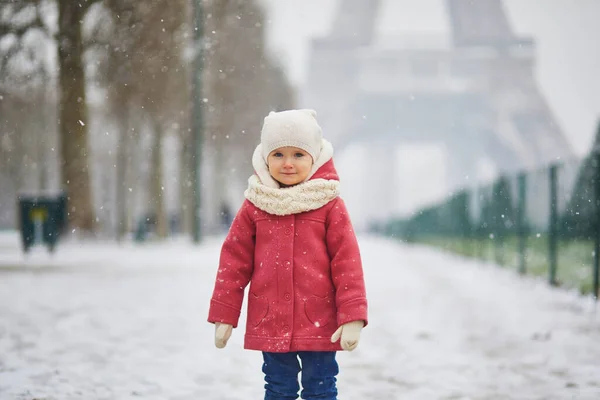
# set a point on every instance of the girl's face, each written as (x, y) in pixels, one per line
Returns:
(289, 165)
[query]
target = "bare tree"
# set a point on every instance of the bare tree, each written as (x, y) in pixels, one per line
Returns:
(242, 85)
(141, 65)
(118, 76)
(23, 77)
(73, 115)
(147, 83)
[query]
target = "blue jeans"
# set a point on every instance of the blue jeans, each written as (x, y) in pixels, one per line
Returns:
(319, 369)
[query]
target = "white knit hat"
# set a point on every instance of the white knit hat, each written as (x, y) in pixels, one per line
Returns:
(297, 128)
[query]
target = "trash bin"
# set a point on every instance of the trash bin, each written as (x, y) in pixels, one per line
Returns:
(42, 219)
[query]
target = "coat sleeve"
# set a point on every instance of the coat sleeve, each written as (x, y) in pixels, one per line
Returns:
(346, 266)
(236, 264)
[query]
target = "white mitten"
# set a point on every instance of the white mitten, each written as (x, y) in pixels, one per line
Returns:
(350, 334)
(222, 334)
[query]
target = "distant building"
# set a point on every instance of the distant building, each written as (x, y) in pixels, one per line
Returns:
(473, 91)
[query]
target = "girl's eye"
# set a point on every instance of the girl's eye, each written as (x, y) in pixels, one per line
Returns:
(277, 155)
(299, 155)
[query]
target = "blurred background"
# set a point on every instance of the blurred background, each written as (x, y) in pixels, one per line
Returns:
(467, 124)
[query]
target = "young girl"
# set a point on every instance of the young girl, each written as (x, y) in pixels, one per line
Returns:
(293, 241)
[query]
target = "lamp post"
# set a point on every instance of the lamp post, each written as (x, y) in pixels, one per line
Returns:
(197, 120)
(596, 268)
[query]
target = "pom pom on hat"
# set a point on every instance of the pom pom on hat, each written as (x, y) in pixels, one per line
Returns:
(296, 128)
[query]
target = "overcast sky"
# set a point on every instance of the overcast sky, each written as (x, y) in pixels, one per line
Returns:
(566, 31)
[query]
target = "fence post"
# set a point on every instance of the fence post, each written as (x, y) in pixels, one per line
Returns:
(480, 239)
(552, 229)
(521, 222)
(465, 227)
(596, 165)
(497, 221)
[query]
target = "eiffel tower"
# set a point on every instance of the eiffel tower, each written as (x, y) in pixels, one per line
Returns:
(477, 95)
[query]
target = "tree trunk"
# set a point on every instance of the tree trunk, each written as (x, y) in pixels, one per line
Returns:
(44, 142)
(187, 151)
(186, 195)
(122, 171)
(73, 118)
(157, 182)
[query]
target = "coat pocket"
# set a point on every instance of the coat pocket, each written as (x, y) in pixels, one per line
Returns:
(258, 307)
(320, 311)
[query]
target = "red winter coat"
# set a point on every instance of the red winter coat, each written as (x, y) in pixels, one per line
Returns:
(305, 276)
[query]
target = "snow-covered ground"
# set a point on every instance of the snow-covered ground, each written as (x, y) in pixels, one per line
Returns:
(98, 321)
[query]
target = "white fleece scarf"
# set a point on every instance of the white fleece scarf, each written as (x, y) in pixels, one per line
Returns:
(266, 194)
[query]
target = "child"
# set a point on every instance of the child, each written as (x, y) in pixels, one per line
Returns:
(293, 241)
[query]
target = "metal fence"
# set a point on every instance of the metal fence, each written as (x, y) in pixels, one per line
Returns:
(542, 222)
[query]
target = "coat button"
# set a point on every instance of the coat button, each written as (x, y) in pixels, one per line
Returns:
(287, 296)
(287, 231)
(286, 327)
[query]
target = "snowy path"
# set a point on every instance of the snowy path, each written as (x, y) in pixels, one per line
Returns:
(108, 323)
